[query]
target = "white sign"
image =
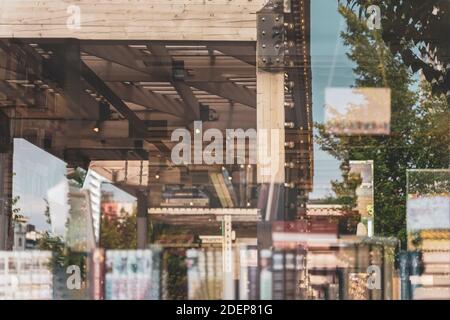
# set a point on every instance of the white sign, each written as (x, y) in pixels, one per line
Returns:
(430, 212)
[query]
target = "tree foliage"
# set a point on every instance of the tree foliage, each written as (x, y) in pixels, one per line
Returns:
(16, 215)
(429, 183)
(62, 255)
(77, 175)
(174, 260)
(345, 190)
(119, 232)
(420, 132)
(418, 31)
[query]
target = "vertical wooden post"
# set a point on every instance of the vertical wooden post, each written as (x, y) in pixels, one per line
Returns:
(270, 96)
(6, 175)
(142, 219)
(270, 117)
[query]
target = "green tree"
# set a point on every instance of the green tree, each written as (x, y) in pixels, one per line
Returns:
(52, 242)
(420, 132)
(62, 255)
(119, 233)
(17, 216)
(418, 32)
(174, 260)
(345, 190)
(78, 175)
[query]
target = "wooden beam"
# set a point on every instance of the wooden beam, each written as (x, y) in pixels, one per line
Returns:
(77, 102)
(124, 57)
(114, 72)
(17, 94)
(162, 57)
(243, 52)
(158, 68)
(74, 156)
(112, 98)
(270, 116)
(10, 68)
(120, 54)
(147, 98)
(218, 72)
(228, 90)
(132, 19)
(211, 81)
(142, 219)
(192, 111)
(6, 177)
(107, 144)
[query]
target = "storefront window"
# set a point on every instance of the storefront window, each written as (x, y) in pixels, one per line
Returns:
(253, 150)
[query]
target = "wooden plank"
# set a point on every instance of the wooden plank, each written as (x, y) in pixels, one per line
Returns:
(270, 116)
(131, 19)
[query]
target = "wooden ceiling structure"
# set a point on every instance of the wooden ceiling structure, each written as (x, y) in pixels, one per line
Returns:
(110, 80)
(136, 84)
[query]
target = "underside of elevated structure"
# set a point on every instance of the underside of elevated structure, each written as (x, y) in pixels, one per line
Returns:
(107, 93)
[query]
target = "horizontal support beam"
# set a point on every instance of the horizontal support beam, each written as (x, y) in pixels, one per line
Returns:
(112, 98)
(162, 57)
(119, 54)
(228, 90)
(204, 211)
(125, 65)
(75, 101)
(114, 72)
(147, 99)
(243, 52)
(131, 19)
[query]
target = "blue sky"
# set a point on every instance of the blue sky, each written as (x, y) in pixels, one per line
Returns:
(330, 68)
(39, 175)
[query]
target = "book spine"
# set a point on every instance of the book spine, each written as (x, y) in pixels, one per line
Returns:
(266, 275)
(278, 275)
(405, 285)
